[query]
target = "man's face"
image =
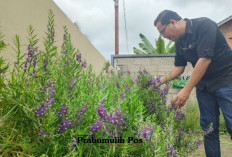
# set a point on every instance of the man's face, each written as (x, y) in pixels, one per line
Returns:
(168, 31)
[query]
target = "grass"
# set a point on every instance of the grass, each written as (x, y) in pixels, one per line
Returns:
(192, 115)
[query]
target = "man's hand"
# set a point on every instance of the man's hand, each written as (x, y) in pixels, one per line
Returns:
(180, 99)
(198, 72)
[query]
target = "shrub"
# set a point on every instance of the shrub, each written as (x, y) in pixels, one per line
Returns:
(55, 105)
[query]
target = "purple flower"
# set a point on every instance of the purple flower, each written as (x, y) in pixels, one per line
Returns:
(39, 111)
(102, 112)
(147, 84)
(74, 142)
(84, 108)
(139, 134)
(164, 91)
(155, 81)
(25, 65)
(118, 85)
(78, 57)
(186, 143)
(84, 64)
(117, 120)
(30, 53)
(145, 71)
(147, 132)
(36, 49)
(64, 124)
(171, 151)
(179, 115)
(63, 111)
(107, 127)
(79, 114)
(96, 126)
(43, 133)
(49, 98)
(34, 61)
(53, 33)
(168, 147)
(123, 96)
(45, 64)
(72, 85)
(181, 131)
(199, 142)
(151, 107)
(209, 131)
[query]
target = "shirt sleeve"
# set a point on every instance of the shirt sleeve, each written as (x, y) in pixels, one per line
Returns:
(179, 59)
(207, 32)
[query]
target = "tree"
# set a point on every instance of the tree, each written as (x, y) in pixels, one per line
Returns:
(147, 47)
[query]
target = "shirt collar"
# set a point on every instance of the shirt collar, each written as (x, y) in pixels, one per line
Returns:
(188, 31)
(188, 28)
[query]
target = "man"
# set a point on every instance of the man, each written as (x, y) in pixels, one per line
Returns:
(200, 42)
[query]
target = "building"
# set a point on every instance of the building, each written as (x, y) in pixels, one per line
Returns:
(226, 28)
(17, 15)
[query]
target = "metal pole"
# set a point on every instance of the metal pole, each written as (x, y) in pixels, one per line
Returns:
(116, 28)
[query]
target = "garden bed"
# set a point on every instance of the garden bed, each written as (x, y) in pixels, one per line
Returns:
(55, 105)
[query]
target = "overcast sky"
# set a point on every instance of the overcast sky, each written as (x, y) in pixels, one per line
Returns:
(95, 19)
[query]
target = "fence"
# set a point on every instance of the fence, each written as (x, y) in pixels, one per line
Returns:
(155, 64)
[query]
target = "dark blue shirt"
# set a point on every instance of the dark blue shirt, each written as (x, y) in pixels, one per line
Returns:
(203, 39)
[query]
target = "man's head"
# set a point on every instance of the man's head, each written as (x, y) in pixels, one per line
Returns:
(170, 25)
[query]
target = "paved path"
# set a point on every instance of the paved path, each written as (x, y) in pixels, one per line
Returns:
(226, 148)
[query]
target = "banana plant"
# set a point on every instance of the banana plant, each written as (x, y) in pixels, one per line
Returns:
(148, 48)
(170, 48)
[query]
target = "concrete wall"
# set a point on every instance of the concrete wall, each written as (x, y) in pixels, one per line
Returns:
(17, 15)
(154, 64)
(157, 65)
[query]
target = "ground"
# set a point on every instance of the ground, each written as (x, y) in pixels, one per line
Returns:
(226, 148)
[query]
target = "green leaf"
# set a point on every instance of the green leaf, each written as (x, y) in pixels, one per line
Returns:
(146, 45)
(169, 48)
(137, 51)
(160, 46)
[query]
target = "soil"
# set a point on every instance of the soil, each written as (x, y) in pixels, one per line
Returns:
(226, 148)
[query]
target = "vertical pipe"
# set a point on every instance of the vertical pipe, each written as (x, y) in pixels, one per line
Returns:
(116, 28)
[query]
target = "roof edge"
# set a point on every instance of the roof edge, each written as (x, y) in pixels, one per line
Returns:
(224, 21)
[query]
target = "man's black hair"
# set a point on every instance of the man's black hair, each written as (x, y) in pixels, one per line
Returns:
(165, 16)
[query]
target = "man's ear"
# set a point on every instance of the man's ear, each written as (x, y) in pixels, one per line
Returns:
(172, 21)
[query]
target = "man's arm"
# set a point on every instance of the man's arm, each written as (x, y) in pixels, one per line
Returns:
(197, 74)
(176, 71)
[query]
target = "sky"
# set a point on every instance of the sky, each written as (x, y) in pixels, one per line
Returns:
(95, 19)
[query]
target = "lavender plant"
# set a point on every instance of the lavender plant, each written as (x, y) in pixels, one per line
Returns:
(3, 65)
(50, 102)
